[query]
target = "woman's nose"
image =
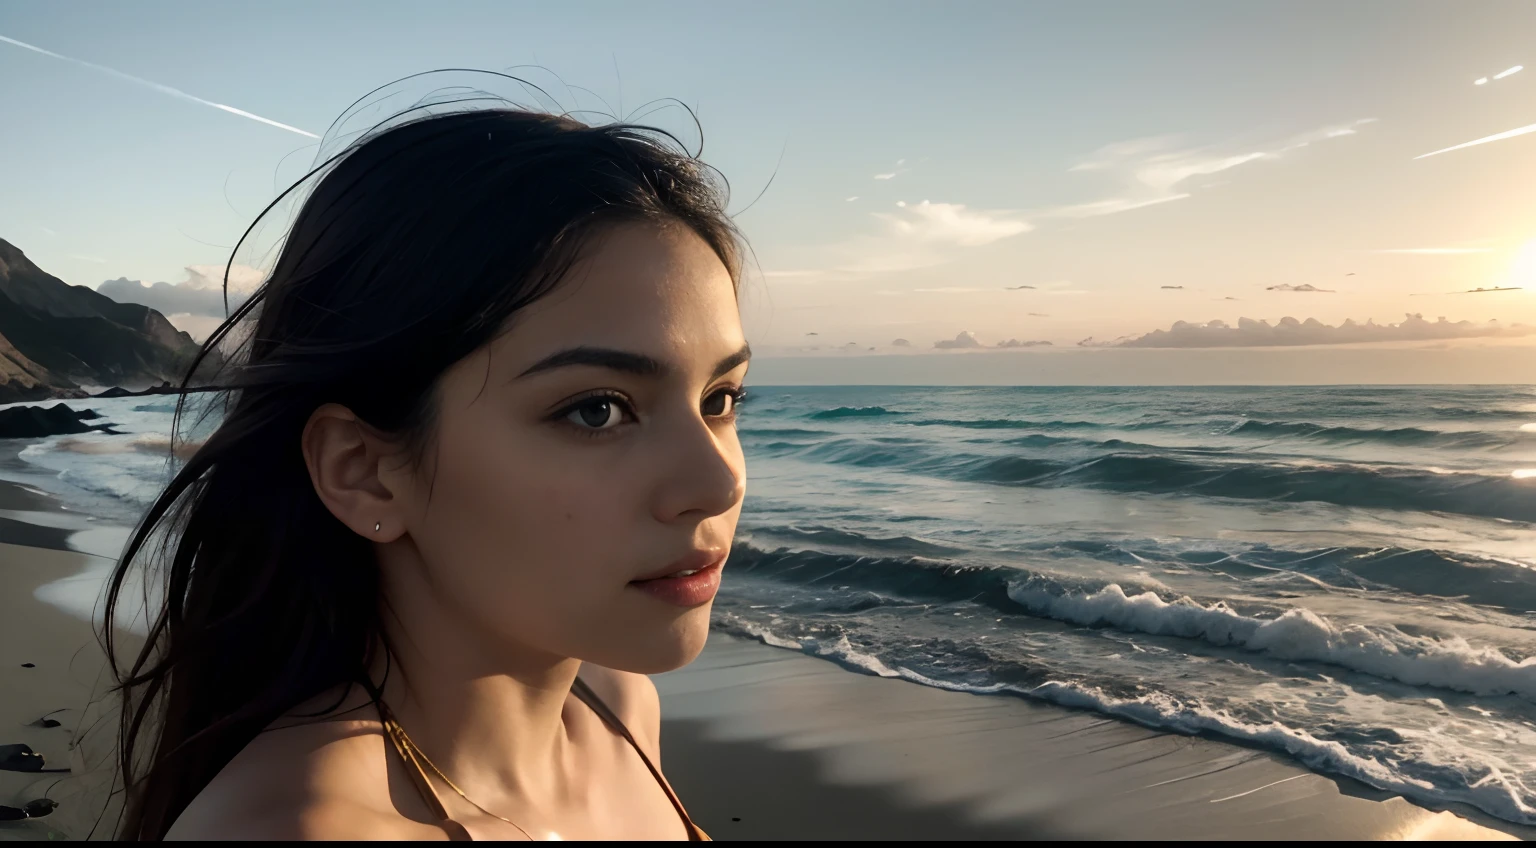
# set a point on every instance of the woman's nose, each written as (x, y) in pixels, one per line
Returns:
(705, 474)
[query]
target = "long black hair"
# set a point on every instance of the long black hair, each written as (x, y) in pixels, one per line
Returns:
(414, 248)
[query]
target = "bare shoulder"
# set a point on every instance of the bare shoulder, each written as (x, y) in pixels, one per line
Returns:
(287, 819)
(633, 698)
(316, 781)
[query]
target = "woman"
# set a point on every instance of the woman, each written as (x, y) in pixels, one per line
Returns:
(477, 477)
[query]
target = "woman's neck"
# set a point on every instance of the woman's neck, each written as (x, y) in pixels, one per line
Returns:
(491, 716)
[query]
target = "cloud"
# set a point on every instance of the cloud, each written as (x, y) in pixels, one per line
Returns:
(964, 340)
(1291, 333)
(916, 235)
(1092, 342)
(48, 231)
(1109, 207)
(163, 89)
(1478, 290)
(1038, 315)
(1113, 155)
(201, 294)
(953, 290)
(197, 326)
(1155, 168)
(1165, 172)
(901, 343)
(1304, 287)
(84, 258)
(952, 224)
(890, 175)
(852, 199)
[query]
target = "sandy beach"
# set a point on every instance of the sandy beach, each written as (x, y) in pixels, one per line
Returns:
(50, 664)
(765, 743)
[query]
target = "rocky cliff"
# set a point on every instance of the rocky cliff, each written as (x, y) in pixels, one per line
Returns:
(55, 337)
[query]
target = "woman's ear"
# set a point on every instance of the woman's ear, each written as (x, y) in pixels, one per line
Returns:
(344, 458)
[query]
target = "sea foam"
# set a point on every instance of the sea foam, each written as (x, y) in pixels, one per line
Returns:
(1296, 634)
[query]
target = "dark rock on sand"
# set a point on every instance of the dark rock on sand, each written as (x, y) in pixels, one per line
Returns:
(34, 422)
(20, 757)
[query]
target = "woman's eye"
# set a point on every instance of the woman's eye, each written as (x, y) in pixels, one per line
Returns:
(722, 403)
(597, 414)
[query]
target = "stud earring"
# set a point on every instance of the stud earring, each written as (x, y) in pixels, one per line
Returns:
(376, 526)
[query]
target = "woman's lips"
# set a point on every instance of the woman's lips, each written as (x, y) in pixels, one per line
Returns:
(695, 560)
(683, 588)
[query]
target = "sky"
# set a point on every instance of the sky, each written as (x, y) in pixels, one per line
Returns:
(1123, 180)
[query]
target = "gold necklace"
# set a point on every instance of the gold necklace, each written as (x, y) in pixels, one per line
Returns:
(419, 757)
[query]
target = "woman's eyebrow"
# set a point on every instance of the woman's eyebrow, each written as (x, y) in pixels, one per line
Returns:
(732, 361)
(624, 361)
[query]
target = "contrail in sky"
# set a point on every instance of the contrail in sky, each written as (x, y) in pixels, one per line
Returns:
(1498, 137)
(163, 89)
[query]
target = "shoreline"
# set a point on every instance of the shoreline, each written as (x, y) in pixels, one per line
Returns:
(768, 743)
(871, 757)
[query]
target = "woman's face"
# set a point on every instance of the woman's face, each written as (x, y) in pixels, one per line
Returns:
(592, 445)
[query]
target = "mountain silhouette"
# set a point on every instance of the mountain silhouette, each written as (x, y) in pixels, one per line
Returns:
(56, 338)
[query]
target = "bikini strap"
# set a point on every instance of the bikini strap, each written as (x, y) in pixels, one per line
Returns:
(456, 831)
(413, 767)
(590, 698)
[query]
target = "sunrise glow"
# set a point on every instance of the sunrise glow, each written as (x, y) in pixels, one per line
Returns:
(1522, 271)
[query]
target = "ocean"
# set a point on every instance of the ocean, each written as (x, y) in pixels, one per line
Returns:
(1345, 575)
